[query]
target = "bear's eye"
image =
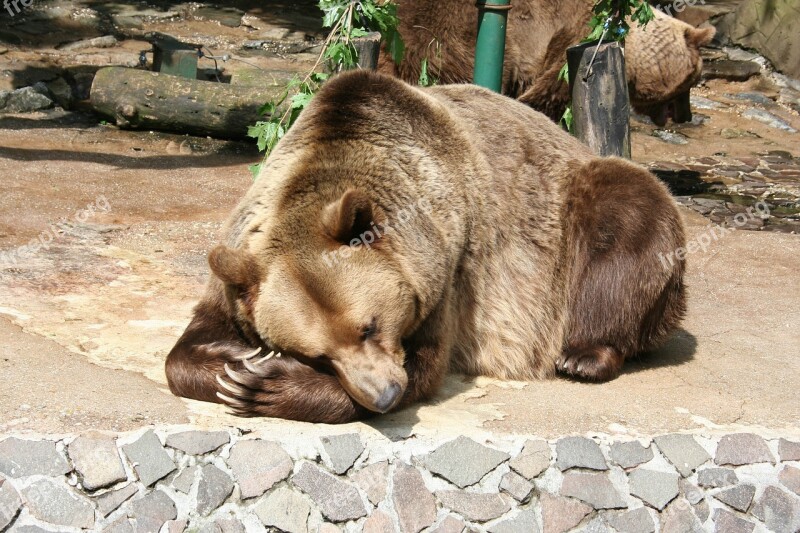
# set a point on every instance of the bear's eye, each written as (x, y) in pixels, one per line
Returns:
(369, 331)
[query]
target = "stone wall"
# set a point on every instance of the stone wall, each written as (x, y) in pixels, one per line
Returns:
(772, 27)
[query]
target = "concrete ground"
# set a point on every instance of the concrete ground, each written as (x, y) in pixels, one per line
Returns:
(87, 321)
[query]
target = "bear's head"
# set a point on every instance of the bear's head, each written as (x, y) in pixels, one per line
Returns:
(328, 293)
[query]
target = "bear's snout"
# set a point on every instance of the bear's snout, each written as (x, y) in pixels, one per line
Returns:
(376, 382)
(389, 397)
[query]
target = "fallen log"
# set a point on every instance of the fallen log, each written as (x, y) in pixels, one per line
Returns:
(139, 99)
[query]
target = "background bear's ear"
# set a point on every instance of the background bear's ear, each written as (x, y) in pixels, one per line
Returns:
(697, 37)
(351, 216)
(234, 267)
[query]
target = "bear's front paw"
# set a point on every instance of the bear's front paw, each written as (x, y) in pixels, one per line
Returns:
(283, 387)
(596, 363)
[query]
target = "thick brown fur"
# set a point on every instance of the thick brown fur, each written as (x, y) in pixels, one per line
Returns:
(662, 59)
(524, 254)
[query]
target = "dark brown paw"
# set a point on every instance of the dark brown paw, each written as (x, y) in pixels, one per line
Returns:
(595, 363)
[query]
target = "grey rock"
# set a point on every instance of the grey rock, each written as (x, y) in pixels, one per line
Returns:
(682, 451)
(106, 41)
(153, 511)
(742, 449)
(532, 460)
(739, 497)
(373, 480)
(183, 482)
(179, 526)
(524, 521)
(110, 501)
(716, 477)
(702, 511)
(284, 509)
(329, 528)
(96, 460)
(257, 465)
(756, 98)
(636, 521)
(630, 454)
(788, 450)
(451, 524)
(779, 511)
(4, 96)
(474, 506)
(670, 137)
(198, 442)
(151, 461)
(22, 458)
(213, 489)
(27, 100)
(596, 526)
(338, 501)
(27, 529)
(231, 525)
(561, 514)
(727, 522)
(679, 518)
(378, 522)
(10, 503)
(463, 461)
(58, 504)
(415, 505)
(654, 488)
(120, 525)
(735, 133)
(730, 70)
(227, 16)
(61, 92)
(764, 117)
(790, 478)
(343, 450)
(698, 102)
(580, 452)
(693, 494)
(594, 489)
(517, 486)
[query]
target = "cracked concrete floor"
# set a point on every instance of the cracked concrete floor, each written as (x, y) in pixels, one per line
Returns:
(87, 322)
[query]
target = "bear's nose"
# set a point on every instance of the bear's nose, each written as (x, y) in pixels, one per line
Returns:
(388, 397)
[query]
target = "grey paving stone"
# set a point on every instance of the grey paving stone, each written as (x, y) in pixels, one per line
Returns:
(257, 465)
(413, 502)
(153, 511)
(232, 525)
(198, 442)
(636, 521)
(691, 492)
(475, 506)
(150, 460)
(790, 478)
(742, 449)
(183, 482)
(213, 489)
(739, 497)
(10, 503)
(27, 529)
(561, 514)
(96, 460)
(532, 460)
(110, 501)
(120, 525)
(788, 450)
(343, 450)
(517, 486)
(779, 511)
(597, 525)
(373, 480)
(716, 477)
(682, 451)
(284, 509)
(524, 521)
(179, 526)
(727, 522)
(630, 454)
(702, 511)
(654, 488)
(329, 528)
(594, 489)
(679, 518)
(58, 504)
(579, 452)
(339, 501)
(22, 458)
(463, 461)
(450, 524)
(378, 522)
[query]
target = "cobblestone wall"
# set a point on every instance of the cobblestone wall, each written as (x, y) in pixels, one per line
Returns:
(224, 481)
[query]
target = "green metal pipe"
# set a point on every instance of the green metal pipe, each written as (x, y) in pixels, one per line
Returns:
(490, 48)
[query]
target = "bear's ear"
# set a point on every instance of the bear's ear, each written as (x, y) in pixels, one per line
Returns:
(349, 217)
(697, 37)
(235, 267)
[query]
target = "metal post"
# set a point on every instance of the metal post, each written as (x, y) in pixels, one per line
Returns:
(490, 47)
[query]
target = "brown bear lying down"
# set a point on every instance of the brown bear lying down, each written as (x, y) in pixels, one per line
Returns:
(662, 60)
(397, 233)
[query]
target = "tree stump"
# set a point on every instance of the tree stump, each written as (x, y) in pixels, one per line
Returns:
(368, 48)
(600, 103)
